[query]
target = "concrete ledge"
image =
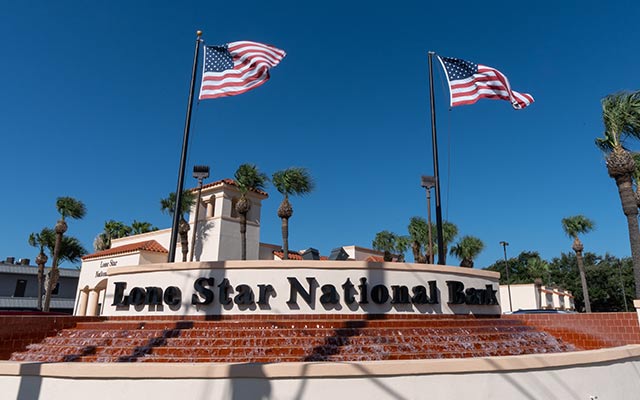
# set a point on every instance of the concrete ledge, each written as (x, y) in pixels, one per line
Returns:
(302, 264)
(321, 369)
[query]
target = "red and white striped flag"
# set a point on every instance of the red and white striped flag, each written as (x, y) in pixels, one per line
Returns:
(236, 67)
(469, 82)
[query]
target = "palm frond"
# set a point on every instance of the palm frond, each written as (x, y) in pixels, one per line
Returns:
(71, 250)
(418, 230)
(385, 241)
(293, 181)
(468, 247)
(68, 207)
(168, 204)
(621, 118)
(138, 227)
(576, 225)
(248, 177)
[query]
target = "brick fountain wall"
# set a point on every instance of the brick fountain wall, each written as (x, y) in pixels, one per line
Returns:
(588, 331)
(19, 331)
(264, 338)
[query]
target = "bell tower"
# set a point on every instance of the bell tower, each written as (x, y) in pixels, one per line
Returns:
(218, 231)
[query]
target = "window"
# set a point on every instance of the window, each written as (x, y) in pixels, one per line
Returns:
(21, 286)
(210, 207)
(549, 299)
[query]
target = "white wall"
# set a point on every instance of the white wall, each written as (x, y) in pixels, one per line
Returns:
(276, 273)
(522, 297)
(95, 270)
(162, 236)
(360, 253)
(598, 374)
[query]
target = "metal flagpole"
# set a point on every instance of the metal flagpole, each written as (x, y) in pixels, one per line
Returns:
(436, 174)
(183, 158)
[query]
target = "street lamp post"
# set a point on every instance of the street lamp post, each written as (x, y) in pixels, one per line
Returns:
(428, 182)
(506, 268)
(200, 172)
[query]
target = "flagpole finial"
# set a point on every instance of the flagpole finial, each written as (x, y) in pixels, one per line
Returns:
(199, 33)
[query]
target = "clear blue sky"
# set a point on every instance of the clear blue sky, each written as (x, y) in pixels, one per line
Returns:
(94, 95)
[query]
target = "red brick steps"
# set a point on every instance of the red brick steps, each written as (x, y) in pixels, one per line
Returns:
(284, 340)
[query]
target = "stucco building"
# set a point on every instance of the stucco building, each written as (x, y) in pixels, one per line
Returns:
(535, 297)
(217, 238)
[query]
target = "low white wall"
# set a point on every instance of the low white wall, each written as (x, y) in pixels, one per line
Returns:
(599, 374)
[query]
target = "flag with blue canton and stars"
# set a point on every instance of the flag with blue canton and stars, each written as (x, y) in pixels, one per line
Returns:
(236, 68)
(470, 82)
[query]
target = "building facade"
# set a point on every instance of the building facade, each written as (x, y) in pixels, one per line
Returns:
(19, 287)
(217, 238)
(535, 297)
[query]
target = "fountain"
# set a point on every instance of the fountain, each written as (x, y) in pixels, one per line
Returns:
(303, 329)
(312, 329)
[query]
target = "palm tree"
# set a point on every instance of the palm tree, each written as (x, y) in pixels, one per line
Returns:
(467, 248)
(403, 243)
(138, 227)
(68, 207)
(112, 230)
(40, 240)
(621, 116)
(387, 242)
(391, 244)
(574, 226)
(168, 205)
(248, 177)
(116, 229)
(291, 181)
(71, 250)
(418, 231)
(449, 233)
(418, 236)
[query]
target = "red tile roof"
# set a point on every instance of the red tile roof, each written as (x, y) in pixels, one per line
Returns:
(292, 255)
(227, 181)
(149, 245)
(375, 259)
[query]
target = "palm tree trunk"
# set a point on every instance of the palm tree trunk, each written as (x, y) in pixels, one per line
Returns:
(184, 238)
(184, 243)
(40, 285)
(467, 263)
(285, 238)
(41, 260)
(417, 254)
(630, 209)
(583, 281)
(53, 273)
(243, 235)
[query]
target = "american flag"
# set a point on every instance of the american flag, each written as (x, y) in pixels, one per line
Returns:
(236, 67)
(469, 82)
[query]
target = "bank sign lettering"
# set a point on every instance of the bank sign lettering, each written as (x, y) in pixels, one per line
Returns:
(206, 291)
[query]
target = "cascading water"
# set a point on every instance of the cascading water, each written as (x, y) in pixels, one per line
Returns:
(292, 339)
